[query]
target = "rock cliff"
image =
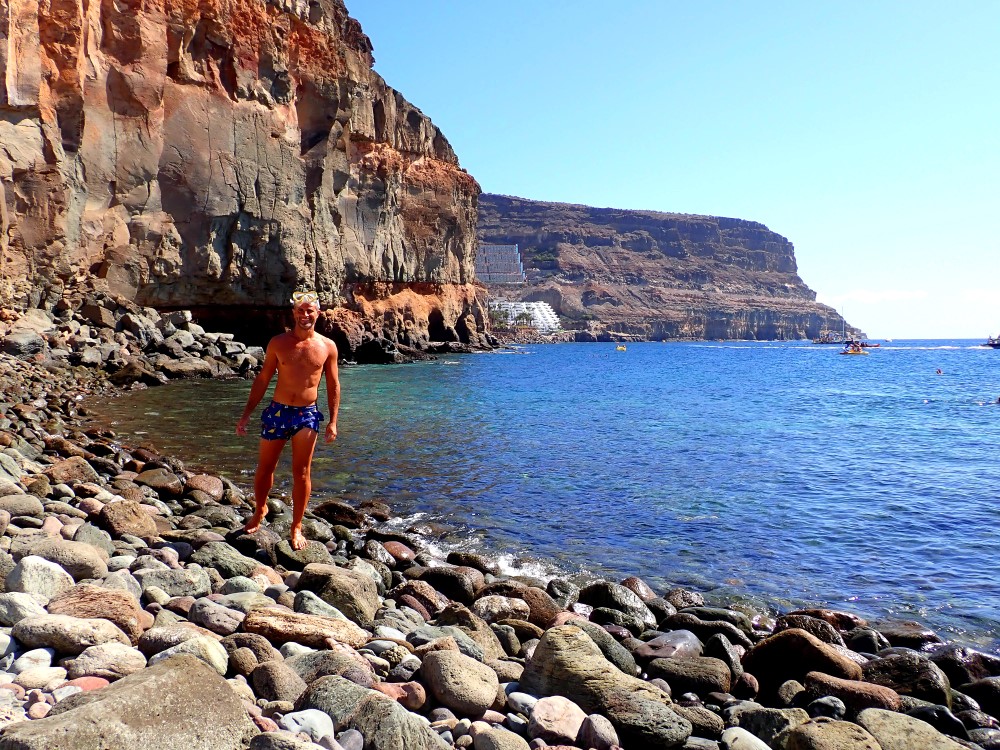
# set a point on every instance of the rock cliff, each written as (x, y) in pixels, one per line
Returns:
(219, 154)
(617, 273)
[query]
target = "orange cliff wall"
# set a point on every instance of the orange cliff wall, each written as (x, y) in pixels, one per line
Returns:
(219, 154)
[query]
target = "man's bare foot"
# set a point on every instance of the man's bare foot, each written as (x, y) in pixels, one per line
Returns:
(298, 540)
(255, 521)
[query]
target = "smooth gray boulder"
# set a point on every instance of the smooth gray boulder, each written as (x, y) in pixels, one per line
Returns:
(385, 724)
(895, 731)
(178, 704)
(226, 559)
(66, 634)
(459, 682)
(78, 559)
(567, 662)
(191, 581)
(354, 594)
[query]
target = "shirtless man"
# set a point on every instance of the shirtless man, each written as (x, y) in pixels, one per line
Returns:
(300, 357)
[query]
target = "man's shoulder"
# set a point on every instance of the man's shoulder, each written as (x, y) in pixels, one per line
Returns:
(330, 345)
(282, 339)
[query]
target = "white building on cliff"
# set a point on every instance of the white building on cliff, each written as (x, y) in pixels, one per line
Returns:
(543, 317)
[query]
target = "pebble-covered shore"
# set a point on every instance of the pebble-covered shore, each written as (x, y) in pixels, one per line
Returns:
(136, 613)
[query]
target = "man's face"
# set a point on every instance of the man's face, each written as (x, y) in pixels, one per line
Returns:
(305, 315)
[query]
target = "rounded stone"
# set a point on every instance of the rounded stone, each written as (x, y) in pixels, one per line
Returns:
(556, 720)
(66, 634)
(460, 682)
(110, 661)
(36, 575)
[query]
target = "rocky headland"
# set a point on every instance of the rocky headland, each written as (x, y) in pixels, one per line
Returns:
(135, 613)
(216, 156)
(619, 274)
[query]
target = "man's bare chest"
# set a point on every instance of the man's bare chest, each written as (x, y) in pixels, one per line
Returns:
(303, 356)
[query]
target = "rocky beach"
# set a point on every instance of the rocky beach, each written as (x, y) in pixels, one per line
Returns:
(136, 612)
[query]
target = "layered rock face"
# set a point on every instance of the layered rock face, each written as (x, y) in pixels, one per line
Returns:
(657, 275)
(218, 155)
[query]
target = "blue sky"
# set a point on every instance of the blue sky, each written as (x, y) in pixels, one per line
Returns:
(868, 134)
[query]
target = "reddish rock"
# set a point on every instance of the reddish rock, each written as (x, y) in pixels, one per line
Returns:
(210, 485)
(423, 592)
(279, 626)
(556, 720)
(72, 469)
(38, 710)
(399, 551)
(855, 694)
(89, 683)
(567, 617)
(86, 600)
(127, 517)
(790, 655)
(90, 506)
(263, 723)
(639, 587)
(407, 600)
(16, 689)
(166, 483)
(544, 609)
(410, 695)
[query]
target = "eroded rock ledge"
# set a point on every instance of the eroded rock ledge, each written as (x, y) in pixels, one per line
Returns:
(218, 155)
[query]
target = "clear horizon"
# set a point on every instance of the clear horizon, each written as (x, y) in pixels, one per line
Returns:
(866, 135)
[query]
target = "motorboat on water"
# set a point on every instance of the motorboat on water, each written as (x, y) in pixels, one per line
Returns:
(992, 342)
(853, 347)
(620, 348)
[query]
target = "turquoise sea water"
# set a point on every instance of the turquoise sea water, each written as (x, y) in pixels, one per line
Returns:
(778, 472)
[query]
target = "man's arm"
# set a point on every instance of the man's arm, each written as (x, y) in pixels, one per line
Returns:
(332, 391)
(259, 388)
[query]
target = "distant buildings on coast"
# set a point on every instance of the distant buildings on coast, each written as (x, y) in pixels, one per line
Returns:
(500, 269)
(499, 264)
(538, 315)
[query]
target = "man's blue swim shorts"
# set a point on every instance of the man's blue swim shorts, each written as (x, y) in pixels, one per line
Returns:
(280, 421)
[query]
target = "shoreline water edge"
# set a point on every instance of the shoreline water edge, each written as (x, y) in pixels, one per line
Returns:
(129, 589)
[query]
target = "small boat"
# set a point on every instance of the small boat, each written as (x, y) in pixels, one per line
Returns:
(620, 348)
(828, 337)
(853, 347)
(853, 351)
(992, 342)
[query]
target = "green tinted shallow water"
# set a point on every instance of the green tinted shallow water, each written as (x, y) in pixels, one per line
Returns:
(781, 472)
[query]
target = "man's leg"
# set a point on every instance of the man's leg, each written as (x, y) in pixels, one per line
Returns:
(303, 445)
(263, 480)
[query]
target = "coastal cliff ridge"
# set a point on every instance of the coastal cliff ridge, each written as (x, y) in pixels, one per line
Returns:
(618, 273)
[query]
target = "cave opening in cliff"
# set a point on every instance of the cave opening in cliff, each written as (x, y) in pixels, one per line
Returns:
(436, 329)
(253, 326)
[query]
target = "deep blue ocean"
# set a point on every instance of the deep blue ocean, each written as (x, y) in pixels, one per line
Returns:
(782, 474)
